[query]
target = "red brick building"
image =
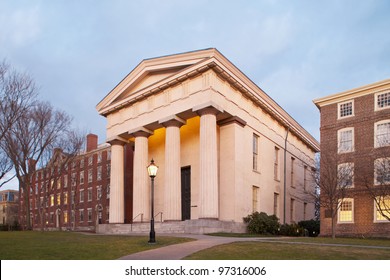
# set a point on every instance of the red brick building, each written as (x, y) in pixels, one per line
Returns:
(78, 198)
(355, 132)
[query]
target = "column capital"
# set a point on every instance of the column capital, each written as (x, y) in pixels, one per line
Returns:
(141, 132)
(234, 119)
(172, 121)
(207, 108)
(117, 140)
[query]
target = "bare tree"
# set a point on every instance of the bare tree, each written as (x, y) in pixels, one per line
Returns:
(33, 135)
(334, 180)
(17, 94)
(379, 188)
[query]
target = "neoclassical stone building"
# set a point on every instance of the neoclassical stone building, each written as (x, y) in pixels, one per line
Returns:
(219, 142)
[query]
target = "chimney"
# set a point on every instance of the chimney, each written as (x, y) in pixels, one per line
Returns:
(92, 142)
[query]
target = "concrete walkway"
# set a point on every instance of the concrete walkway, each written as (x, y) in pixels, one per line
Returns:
(179, 251)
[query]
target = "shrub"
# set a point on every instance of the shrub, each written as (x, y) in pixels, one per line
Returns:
(261, 223)
(291, 230)
(312, 227)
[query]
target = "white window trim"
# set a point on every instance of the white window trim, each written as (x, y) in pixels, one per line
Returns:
(378, 221)
(352, 165)
(339, 138)
(376, 162)
(376, 101)
(376, 145)
(353, 211)
(338, 109)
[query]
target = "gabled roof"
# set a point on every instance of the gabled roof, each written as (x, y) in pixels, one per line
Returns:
(156, 74)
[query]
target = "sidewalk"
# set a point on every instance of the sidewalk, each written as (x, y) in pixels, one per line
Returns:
(179, 251)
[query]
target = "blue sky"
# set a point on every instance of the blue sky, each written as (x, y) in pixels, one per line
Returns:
(296, 51)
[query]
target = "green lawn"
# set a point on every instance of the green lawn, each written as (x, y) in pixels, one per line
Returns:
(279, 249)
(27, 245)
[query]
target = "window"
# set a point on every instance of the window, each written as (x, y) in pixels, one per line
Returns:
(292, 172)
(99, 192)
(255, 149)
(384, 205)
(65, 217)
(99, 157)
(65, 181)
(276, 204)
(72, 197)
(99, 173)
(73, 179)
(255, 197)
(65, 198)
(59, 199)
(382, 101)
(108, 192)
(81, 195)
(345, 213)
(81, 215)
(90, 176)
(382, 171)
(292, 210)
(305, 177)
(89, 194)
(81, 177)
(345, 173)
(345, 109)
(382, 133)
(82, 163)
(52, 200)
(276, 163)
(304, 211)
(90, 160)
(89, 214)
(345, 140)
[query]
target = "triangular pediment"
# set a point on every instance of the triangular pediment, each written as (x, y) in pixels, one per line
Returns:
(149, 73)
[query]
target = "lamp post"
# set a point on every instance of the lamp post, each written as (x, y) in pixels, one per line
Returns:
(152, 171)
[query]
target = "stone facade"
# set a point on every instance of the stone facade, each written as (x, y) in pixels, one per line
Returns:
(218, 139)
(361, 122)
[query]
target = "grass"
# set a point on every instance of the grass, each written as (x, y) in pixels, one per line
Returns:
(279, 249)
(32, 245)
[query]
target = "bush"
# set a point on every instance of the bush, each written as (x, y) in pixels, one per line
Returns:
(261, 223)
(291, 230)
(312, 227)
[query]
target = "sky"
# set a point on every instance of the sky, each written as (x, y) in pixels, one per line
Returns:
(77, 51)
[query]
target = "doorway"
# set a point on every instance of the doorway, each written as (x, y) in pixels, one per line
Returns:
(186, 193)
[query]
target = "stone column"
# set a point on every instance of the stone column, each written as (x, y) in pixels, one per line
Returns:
(117, 199)
(141, 180)
(172, 187)
(209, 208)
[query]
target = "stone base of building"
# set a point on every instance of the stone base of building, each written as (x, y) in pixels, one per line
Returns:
(189, 227)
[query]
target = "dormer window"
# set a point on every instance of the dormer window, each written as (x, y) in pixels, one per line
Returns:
(345, 109)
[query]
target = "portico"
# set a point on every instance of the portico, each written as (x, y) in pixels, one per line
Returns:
(193, 114)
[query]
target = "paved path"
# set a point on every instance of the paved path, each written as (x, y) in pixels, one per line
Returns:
(179, 251)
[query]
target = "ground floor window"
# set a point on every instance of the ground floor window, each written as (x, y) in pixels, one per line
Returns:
(382, 209)
(345, 213)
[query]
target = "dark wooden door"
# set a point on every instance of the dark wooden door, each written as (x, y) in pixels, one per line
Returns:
(186, 193)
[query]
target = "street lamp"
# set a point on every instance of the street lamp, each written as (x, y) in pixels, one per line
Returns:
(152, 171)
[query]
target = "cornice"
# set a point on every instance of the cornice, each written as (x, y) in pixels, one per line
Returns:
(353, 93)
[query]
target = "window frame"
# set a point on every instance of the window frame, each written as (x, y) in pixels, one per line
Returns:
(345, 200)
(377, 212)
(339, 117)
(377, 107)
(339, 133)
(376, 144)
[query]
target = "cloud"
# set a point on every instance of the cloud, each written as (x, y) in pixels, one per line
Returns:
(20, 26)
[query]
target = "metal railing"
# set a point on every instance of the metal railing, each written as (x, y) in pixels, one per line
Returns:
(161, 216)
